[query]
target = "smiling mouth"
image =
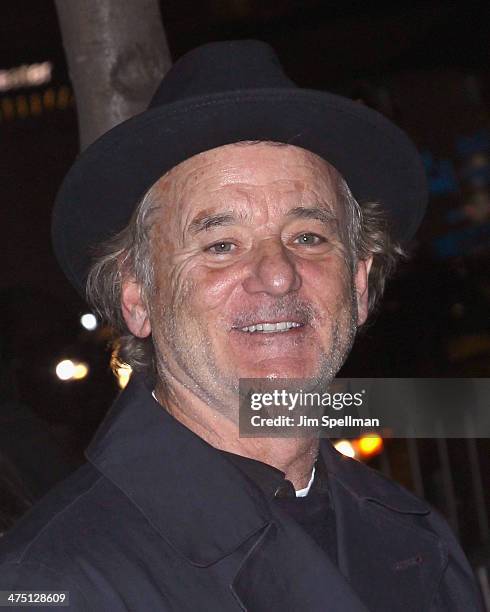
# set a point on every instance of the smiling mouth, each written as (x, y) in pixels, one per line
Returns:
(270, 328)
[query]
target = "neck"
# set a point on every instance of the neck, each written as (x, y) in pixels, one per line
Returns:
(293, 456)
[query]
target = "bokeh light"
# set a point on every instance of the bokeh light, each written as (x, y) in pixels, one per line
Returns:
(81, 371)
(370, 445)
(123, 374)
(88, 321)
(346, 448)
(71, 370)
(65, 369)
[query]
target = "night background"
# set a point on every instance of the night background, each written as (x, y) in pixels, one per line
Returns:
(422, 64)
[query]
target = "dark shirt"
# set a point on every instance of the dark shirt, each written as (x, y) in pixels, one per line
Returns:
(314, 512)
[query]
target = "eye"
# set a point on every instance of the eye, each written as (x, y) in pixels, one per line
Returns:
(221, 247)
(309, 239)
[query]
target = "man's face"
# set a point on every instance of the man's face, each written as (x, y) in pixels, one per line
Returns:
(252, 275)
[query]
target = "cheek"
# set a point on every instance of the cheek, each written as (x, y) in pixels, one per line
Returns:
(328, 276)
(213, 288)
(328, 284)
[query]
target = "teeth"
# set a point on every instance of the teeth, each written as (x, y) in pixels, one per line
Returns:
(268, 328)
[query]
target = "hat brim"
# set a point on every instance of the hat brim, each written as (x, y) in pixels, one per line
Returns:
(100, 192)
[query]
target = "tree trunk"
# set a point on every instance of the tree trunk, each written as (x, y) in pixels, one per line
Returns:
(117, 54)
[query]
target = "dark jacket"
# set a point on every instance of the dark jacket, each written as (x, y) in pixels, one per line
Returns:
(159, 520)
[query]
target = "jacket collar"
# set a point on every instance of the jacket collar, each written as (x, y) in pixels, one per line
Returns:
(168, 471)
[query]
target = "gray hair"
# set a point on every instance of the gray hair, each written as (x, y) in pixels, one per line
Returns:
(368, 235)
(128, 255)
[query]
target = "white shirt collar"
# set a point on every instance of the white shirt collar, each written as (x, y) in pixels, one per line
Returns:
(304, 492)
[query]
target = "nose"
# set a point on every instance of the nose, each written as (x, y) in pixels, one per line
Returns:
(272, 271)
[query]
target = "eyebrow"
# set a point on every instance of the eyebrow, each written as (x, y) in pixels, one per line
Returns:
(207, 221)
(320, 213)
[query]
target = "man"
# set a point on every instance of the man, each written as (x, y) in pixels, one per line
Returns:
(246, 257)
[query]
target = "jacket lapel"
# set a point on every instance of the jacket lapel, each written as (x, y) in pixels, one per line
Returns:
(285, 570)
(389, 558)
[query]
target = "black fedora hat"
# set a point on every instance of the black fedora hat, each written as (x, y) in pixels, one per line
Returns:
(218, 94)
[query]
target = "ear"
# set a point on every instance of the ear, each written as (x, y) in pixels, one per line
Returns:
(361, 283)
(134, 310)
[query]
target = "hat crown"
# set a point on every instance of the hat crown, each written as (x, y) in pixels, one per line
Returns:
(219, 67)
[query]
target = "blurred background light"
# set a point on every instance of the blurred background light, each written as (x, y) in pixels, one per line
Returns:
(71, 370)
(123, 374)
(65, 369)
(88, 321)
(27, 75)
(80, 371)
(370, 445)
(346, 448)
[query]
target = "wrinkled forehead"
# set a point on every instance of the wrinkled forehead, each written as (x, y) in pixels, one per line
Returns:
(273, 169)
